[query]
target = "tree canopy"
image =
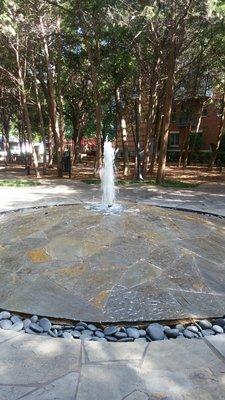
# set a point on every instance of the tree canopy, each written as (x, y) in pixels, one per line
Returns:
(73, 69)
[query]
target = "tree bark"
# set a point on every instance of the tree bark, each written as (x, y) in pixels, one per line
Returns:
(5, 138)
(157, 131)
(41, 119)
(137, 100)
(124, 135)
(50, 146)
(220, 134)
(25, 111)
(166, 114)
(94, 59)
(52, 102)
(152, 106)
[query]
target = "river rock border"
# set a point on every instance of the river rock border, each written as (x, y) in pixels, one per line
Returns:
(43, 326)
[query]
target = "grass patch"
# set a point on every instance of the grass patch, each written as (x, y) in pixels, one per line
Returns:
(168, 183)
(19, 182)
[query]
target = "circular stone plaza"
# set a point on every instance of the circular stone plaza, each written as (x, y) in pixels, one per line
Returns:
(76, 284)
(142, 264)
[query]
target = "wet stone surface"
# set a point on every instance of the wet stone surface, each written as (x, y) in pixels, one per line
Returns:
(140, 265)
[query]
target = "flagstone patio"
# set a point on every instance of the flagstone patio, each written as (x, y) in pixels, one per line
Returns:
(41, 368)
(144, 264)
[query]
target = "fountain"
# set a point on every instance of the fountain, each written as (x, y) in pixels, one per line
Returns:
(107, 175)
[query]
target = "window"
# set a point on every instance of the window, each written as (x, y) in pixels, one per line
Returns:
(174, 139)
(204, 112)
(173, 115)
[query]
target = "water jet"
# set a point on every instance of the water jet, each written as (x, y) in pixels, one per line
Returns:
(107, 175)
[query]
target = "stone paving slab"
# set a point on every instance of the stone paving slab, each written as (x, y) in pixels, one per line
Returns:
(30, 360)
(218, 343)
(41, 296)
(97, 353)
(173, 370)
(39, 368)
(60, 389)
(8, 335)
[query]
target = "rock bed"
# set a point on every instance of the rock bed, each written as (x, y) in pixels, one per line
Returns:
(112, 333)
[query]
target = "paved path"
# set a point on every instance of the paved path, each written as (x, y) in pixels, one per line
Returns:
(209, 198)
(39, 368)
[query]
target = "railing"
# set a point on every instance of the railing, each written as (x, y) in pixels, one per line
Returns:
(186, 121)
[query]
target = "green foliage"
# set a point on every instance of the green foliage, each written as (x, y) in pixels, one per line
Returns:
(127, 182)
(19, 182)
(195, 141)
(222, 144)
(199, 157)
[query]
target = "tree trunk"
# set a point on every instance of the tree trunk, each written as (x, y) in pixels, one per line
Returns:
(158, 126)
(29, 132)
(94, 60)
(58, 85)
(138, 171)
(124, 135)
(50, 150)
(185, 147)
(220, 134)
(77, 136)
(98, 113)
(5, 139)
(152, 106)
(23, 103)
(166, 115)
(52, 102)
(39, 107)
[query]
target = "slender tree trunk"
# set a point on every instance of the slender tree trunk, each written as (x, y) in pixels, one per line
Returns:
(98, 113)
(52, 102)
(60, 100)
(152, 106)
(23, 102)
(220, 134)
(98, 106)
(187, 150)
(5, 139)
(138, 171)
(158, 126)
(185, 146)
(77, 136)
(124, 135)
(50, 150)
(41, 120)
(167, 114)
(198, 128)
(94, 59)
(29, 132)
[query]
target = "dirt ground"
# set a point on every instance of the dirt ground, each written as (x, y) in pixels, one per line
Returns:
(84, 170)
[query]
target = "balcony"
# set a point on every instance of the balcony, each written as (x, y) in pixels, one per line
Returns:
(184, 121)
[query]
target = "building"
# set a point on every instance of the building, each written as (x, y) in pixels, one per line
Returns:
(18, 149)
(184, 120)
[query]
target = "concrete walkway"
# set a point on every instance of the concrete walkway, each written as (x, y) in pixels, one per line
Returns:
(208, 198)
(37, 368)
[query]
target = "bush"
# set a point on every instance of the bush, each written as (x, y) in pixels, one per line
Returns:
(173, 156)
(221, 158)
(195, 141)
(199, 157)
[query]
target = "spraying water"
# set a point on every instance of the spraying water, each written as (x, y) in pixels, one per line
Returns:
(108, 175)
